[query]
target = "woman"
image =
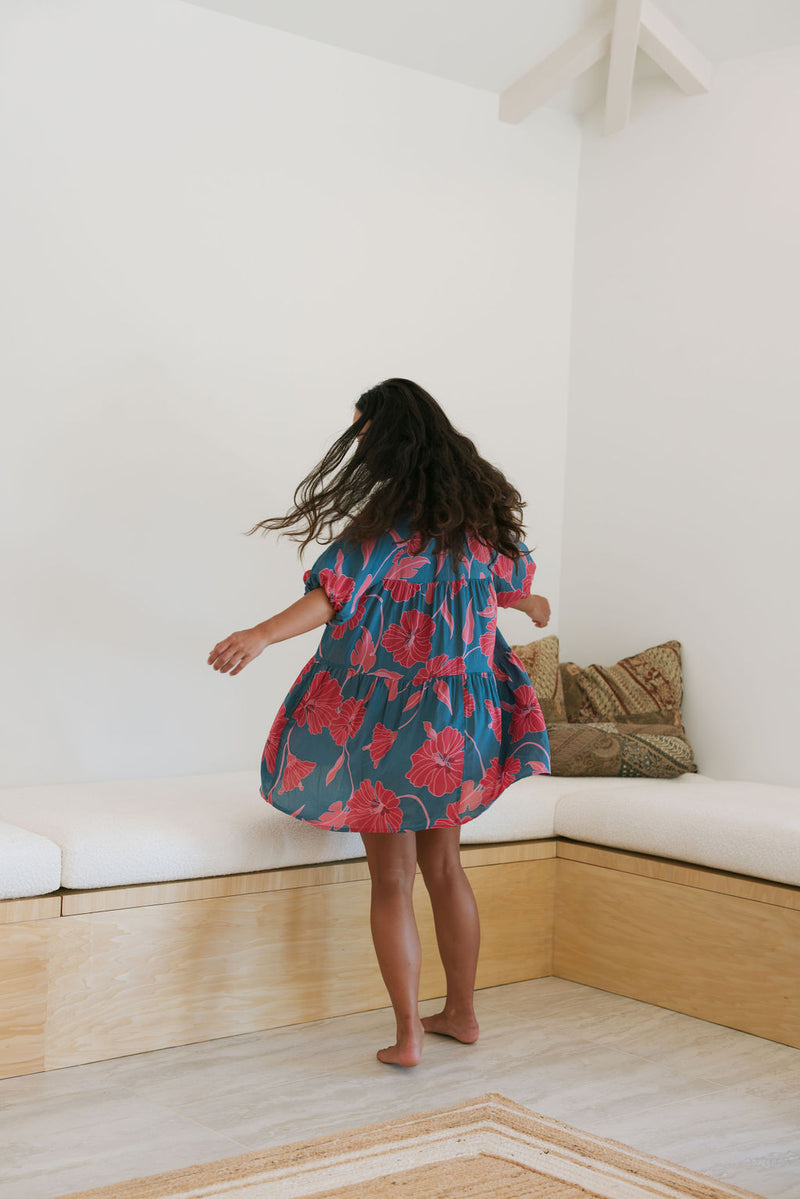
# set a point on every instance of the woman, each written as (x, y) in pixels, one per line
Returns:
(414, 713)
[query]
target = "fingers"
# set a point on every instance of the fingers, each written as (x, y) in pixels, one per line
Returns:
(228, 656)
(235, 662)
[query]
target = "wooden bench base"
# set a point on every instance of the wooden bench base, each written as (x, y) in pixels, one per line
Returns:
(93, 975)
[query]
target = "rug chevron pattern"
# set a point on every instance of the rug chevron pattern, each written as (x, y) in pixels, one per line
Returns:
(488, 1146)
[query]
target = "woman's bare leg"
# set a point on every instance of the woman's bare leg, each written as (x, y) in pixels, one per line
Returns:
(455, 915)
(392, 864)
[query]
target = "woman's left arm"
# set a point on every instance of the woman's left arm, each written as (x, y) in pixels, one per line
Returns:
(240, 648)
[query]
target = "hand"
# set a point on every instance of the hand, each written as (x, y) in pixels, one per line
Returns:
(539, 611)
(237, 650)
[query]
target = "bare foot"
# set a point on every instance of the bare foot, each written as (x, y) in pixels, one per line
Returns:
(407, 1050)
(462, 1028)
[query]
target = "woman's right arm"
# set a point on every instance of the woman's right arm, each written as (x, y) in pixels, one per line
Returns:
(234, 653)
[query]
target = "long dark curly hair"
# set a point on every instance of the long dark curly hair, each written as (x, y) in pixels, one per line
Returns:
(410, 461)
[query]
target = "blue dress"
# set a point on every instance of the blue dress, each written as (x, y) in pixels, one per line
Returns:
(414, 712)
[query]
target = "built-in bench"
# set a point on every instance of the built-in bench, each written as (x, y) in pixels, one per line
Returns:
(155, 912)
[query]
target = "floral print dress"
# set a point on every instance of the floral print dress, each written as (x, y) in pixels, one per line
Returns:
(414, 712)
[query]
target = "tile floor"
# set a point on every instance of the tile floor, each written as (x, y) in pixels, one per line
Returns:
(721, 1102)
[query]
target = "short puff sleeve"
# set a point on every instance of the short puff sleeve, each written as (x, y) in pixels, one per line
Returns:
(340, 573)
(513, 580)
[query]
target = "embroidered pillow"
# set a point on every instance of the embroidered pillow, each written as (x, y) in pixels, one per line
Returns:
(540, 659)
(647, 682)
(624, 749)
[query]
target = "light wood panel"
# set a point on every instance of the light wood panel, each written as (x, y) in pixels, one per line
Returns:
(107, 899)
(167, 964)
(704, 877)
(723, 958)
(143, 978)
(24, 959)
(40, 907)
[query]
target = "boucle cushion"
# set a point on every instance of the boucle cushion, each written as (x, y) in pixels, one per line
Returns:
(646, 682)
(540, 659)
(747, 828)
(527, 809)
(625, 749)
(154, 830)
(29, 864)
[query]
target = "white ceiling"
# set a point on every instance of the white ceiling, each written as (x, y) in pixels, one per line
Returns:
(490, 43)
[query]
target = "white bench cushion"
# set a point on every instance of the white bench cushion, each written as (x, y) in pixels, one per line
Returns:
(747, 828)
(29, 864)
(528, 809)
(156, 830)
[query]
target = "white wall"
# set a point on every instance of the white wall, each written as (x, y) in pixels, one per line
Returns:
(682, 489)
(214, 237)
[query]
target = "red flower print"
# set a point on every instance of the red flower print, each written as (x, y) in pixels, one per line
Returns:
(382, 740)
(507, 599)
(404, 567)
(471, 797)
(319, 704)
(495, 716)
(294, 772)
(504, 567)
(304, 671)
(273, 740)
(410, 640)
(334, 818)
(487, 639)
(469, 625)
(401, 590)
(469, 700)
(347, 720)
(391, 678)
(439, 665)
(364, 653)
(339, 630)
(450, 818)
(374, 809)
(511, 768)
(527, 716)
(498, 777)
(482, 552)
(439, 762)
(338, 588)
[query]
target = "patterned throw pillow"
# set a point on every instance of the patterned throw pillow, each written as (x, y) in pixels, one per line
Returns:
(623, 720)
(623, 749)
(540, 659)
(647, 682)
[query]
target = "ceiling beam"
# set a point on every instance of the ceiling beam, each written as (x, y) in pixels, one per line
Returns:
(673, 52)
(635, 24)
(570, 60)
(622, 62)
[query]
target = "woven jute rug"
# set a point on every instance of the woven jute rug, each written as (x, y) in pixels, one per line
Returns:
(489, 1146)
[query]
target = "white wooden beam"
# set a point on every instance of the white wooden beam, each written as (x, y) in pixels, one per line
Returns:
(673, 52)
(566, 63)
(624, 43)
